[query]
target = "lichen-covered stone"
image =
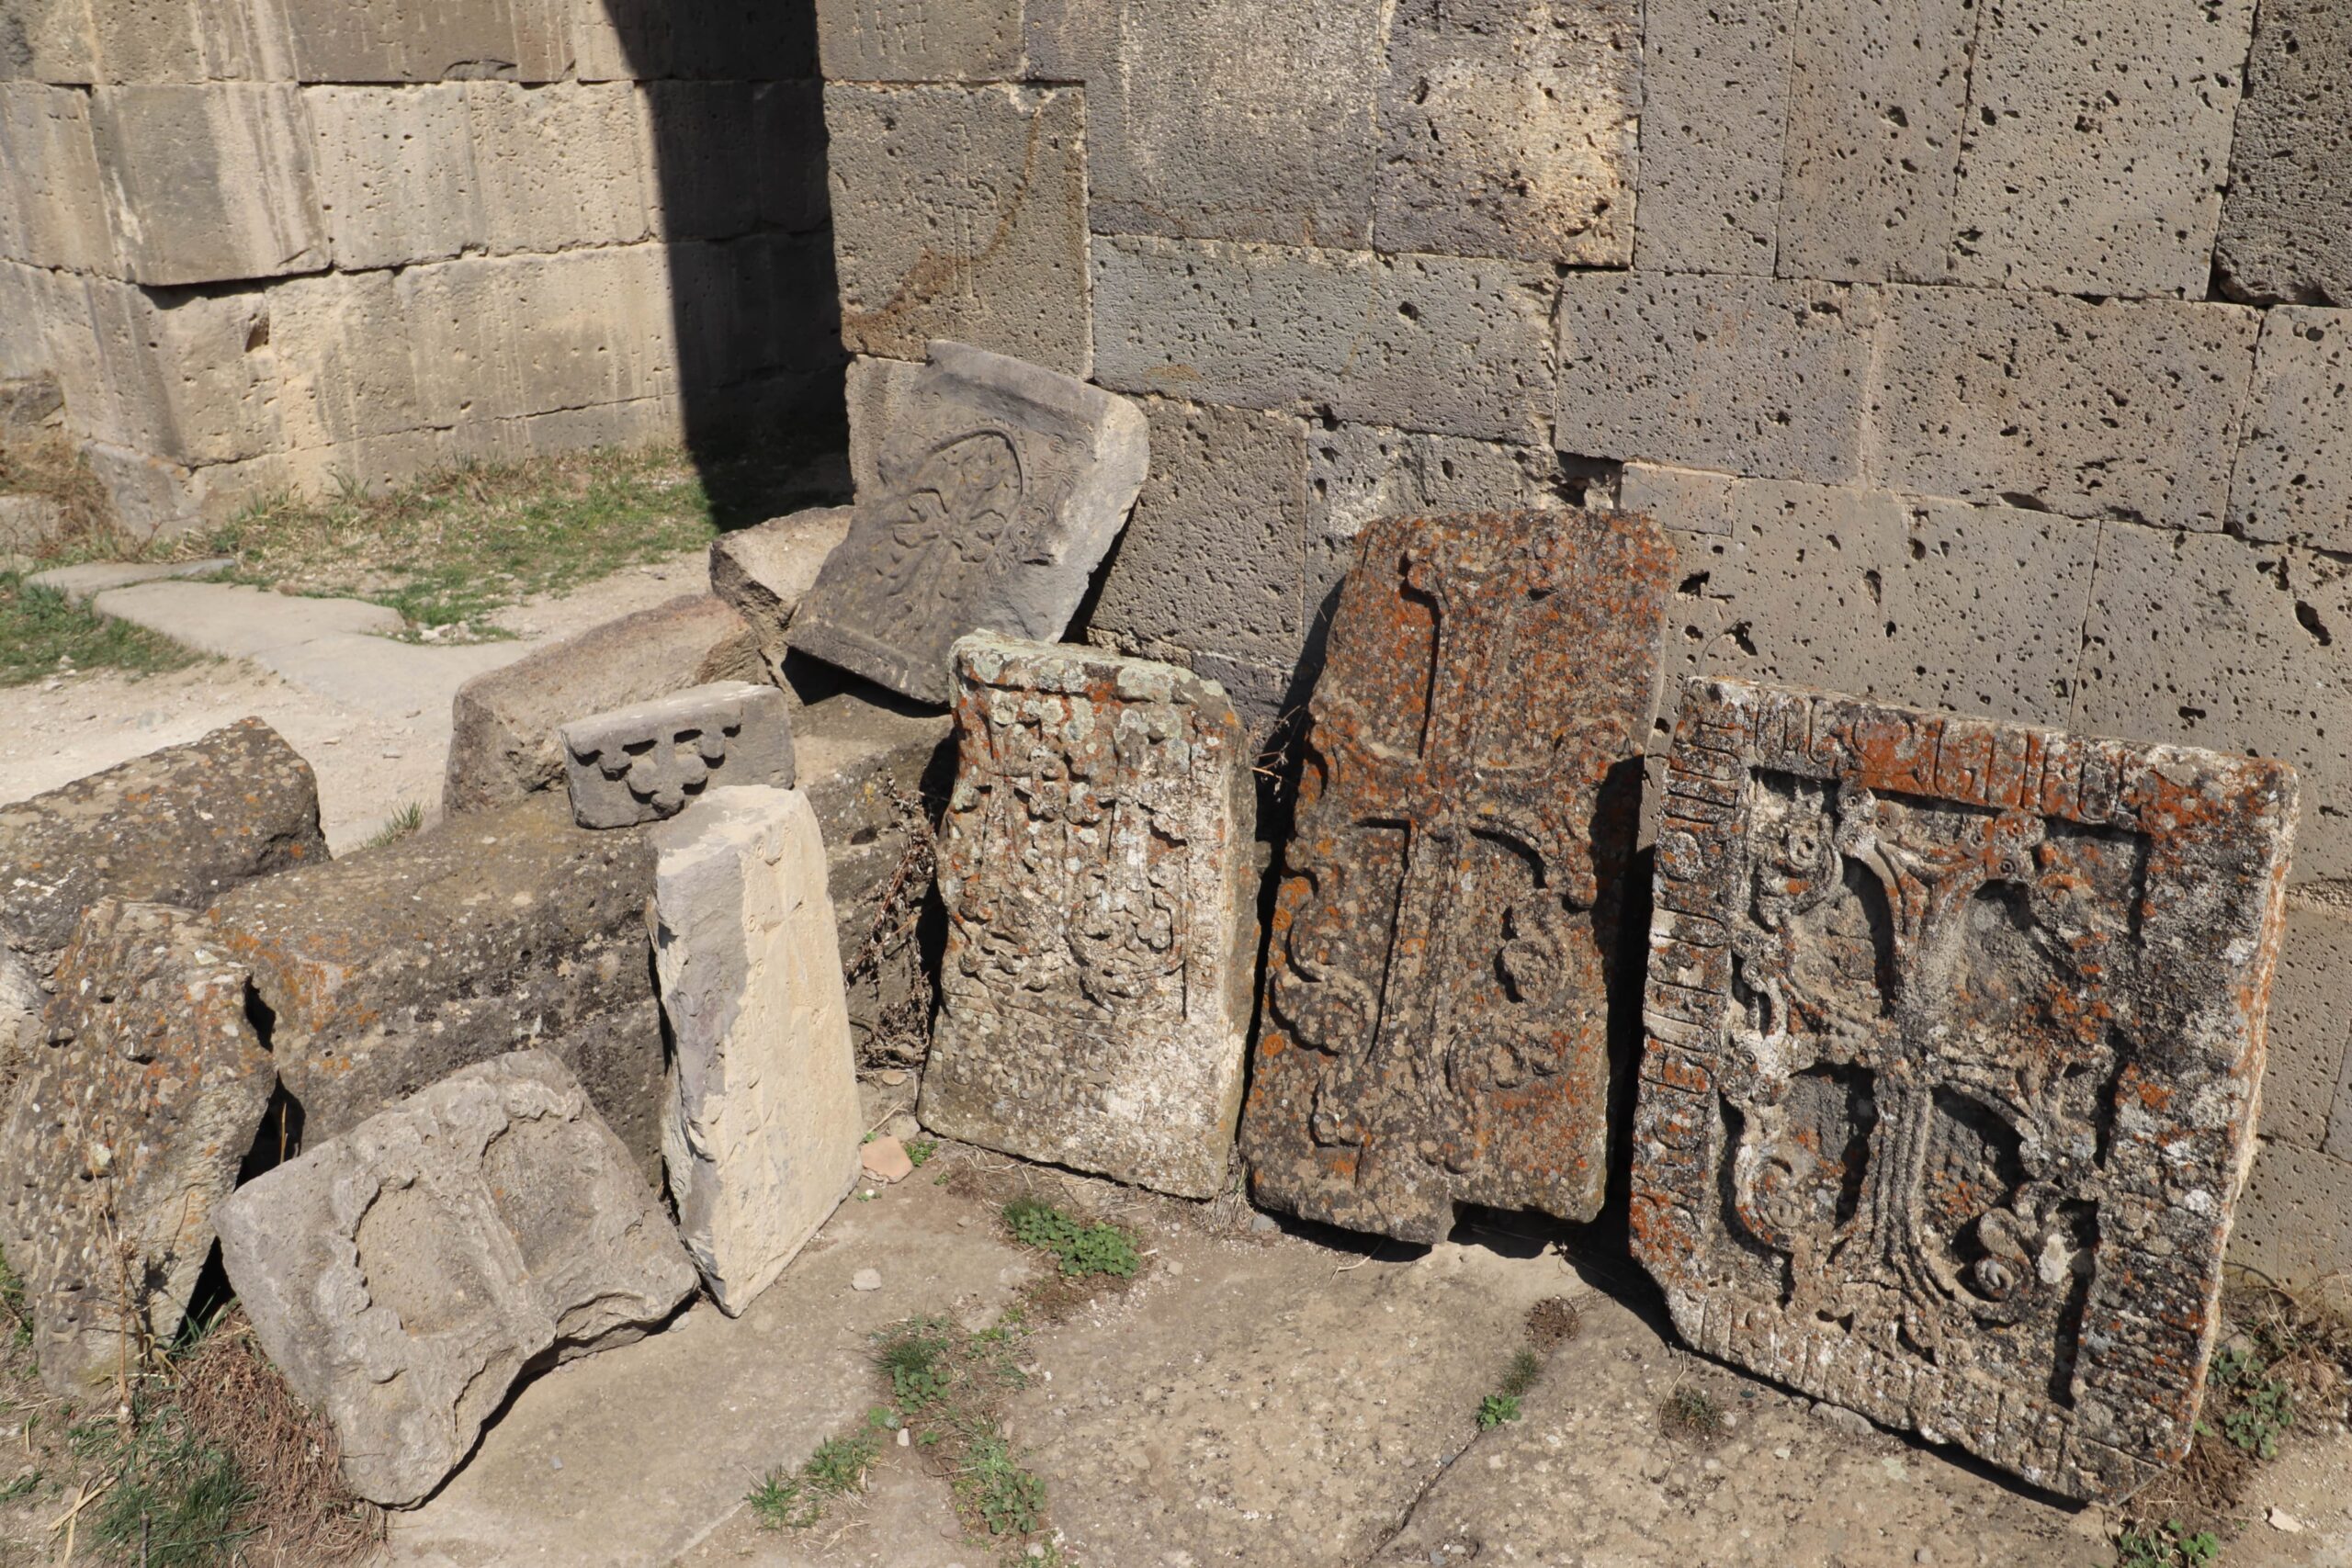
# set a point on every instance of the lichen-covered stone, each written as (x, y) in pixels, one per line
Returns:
(128, 1125)
(406, 1275)
(1436, 1026)
(1004, 485)
(645, 762)
(1097, 863)
(1955, 1040)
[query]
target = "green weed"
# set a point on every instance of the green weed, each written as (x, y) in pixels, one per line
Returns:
(178, 1498)
(1496, 1409)
(1082, 1250)
(917, 1364)
(1525, 1368)
(919, 1150)
(43, 633)
(796, 1499)
(1008, 1499)
(2166, 1546)
(1692, 1413)
(2259, 1408)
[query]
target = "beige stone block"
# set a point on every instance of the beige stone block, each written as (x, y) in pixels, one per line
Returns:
(188, 40)
(2310, 1024)
(562, 165)
(396, 175)
(209, 184)
(429, 40)
(50, 40)
(52, 208)
(2295, 1221)
(499, 337)
(345, 366)
(876, 389)
(192, 378)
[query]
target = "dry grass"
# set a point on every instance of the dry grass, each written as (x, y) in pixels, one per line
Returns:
(48, 463)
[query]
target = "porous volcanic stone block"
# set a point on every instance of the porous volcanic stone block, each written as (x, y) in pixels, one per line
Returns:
(1429, 343)
(1714, 104)
(506, 337)
(22, 1001)
(428, 40)
(764, 571)
(176, 40)
(960, 212)
(1097, 863)
(2295, 1221)
(406, 1275)
(876, 390)
(1747, 375)
(645, 762)
(505, 744)
(345, 374)
(1510, 130)
(209, 184)
(49, 40)
(1004, 485)
(2310, 1027)
(396, 173)
(176, 375)
(2093, 408)
(564, 166)
(2294, 471)
(180, 826)
(389, 969)
(2287, 222)
(760, 1132)
(126, 1129)
(917, 40)
(52, 203)
(1955, 1039)
(1357, 474)
(1445, 930)
(2097, 144)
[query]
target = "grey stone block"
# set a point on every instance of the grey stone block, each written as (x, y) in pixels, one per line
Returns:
(1715, 97)
(405, 1276)
(2310, 1028)
(209, 184)
(151, 497)
(30, 402)
(185, 376)
(1876, 94)
(52, 200)
(1358, 473)
(710, 158)
(764, 571)
(1457, 347)
(181, 40)
(564, 165)
(503, 337)
(650, 761)
(2096, 409)
(2285, 229)
(2294, 470)
(788, 121)
(1683, 501)
(1757, 376)
(1004, 485)
(28, 522)
(960, 212)
(428, 40)
(345, 370)
(876, 391)
(2098, 144)
(396, 173)
(910, 40)
(2294, 1224)
(1509, 129)
(48, 40)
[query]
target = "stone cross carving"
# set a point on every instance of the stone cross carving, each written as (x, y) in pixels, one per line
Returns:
(1437, 1006)
(1955, 1029)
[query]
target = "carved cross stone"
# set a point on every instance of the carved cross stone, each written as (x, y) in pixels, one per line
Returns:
(1955, 1029)
(1437, 1006)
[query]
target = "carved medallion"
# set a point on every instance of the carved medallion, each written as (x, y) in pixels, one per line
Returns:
(1436, 1017)
(1955, 1033)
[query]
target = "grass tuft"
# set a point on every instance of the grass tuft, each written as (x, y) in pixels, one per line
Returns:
(43, 633)
(1691, 1414)
(1081, 1249)
(398, 826)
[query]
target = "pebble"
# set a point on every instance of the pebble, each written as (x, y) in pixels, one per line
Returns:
(866, 1280)
(1263, 1223)
(2280, 1520)
(1853, 1423)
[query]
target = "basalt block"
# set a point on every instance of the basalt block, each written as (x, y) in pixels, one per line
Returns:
(1955, 1035)
(1002, 485)
(645, 762)
(406, 1275)
(1445, 930)
(1097, 864)
(133, 1114)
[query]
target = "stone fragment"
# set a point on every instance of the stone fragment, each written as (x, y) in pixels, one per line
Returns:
(876, 393)
(764, 571)
(127, 1130)
(181, 826)
(645, 762)
(388, 970)
(1714, 107)
(1098, 868)
(2294, 470)
(406, 1275)
(760, 1124)
(504, 745)
(2287, 219)
(886, 1160)
(866, 1280)
(1445, 931)
(209, 184)
(1005, 485)
(1955, 1029)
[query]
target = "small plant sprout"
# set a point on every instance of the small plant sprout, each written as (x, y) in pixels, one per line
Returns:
(1081, 1249)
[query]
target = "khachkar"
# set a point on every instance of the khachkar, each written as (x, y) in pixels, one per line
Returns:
(1955, 1035)
(1002, 485)
(1097, 865)
(1436, 1023)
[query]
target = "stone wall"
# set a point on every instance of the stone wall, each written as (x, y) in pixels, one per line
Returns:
(272, 243)
(1989, 355)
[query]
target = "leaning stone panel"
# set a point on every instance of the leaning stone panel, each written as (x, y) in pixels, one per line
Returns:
(1002, 486)
(404, 1275)
(1436, 1028)
(1955, 1036)
(1097, 866)
(135, 1111)
(643, 764)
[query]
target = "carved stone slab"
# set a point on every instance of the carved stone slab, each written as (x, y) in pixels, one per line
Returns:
(404, 1275)
(1002, 485)
(136, 1109)
(642, 763)
(1097, 864)
(1955, 1039)
(1436, 1015)
(761, 1123)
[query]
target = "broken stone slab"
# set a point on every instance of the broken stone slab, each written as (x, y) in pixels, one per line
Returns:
(85, 582)
(646, 762)
(386, 971)
(405, 1275)
(1955, 1035)
(765, 572)
(129, 1125)
(761, 1125)
(1004, 485)
(503, 743)
(1099, 868)
(1444, 935)
(180, 826)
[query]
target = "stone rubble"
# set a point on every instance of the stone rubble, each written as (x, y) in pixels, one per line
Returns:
(648, 762)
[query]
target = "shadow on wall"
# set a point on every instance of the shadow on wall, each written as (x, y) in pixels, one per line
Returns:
(739, 146)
